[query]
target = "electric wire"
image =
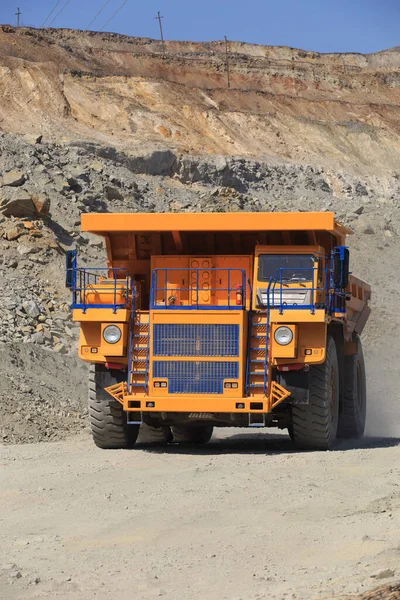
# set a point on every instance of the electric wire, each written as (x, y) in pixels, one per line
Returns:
(50, 13)
(98, 14)
(114, 15)
(59, 12)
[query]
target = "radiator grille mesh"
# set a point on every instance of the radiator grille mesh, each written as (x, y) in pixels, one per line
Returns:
(195, 340)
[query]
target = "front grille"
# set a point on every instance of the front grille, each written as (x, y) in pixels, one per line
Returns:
(196, 377)
(195, 340)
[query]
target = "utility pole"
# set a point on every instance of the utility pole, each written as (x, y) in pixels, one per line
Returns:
(159, 17)
(18, 14)
(227, 62)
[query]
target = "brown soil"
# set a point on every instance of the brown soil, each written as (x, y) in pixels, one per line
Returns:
(334, 109)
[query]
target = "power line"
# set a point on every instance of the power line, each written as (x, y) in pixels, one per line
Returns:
(59, 13)
(114, 15)
(98, 14)
(50, 13)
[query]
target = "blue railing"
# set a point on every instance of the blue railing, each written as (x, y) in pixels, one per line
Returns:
(172, 296)
(249, 329)
(336, 298)
(281, 294)
(99, 287)
(131, 335)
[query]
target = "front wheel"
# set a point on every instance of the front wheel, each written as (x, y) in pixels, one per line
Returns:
(314, 425)
(107, 417)
(192, 434)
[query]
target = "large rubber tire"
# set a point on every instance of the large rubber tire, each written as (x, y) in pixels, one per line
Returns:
(107, 418)
(192, 434)
(154, 435)
(315, 424)
(354, 404)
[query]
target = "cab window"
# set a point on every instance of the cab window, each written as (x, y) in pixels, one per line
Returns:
(294, 267)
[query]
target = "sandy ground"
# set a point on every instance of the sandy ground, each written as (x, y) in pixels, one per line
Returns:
(245, 517)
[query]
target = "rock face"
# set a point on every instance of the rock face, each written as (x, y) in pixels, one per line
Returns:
(339, 111)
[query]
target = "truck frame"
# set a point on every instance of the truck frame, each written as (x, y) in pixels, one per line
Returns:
(221, 319)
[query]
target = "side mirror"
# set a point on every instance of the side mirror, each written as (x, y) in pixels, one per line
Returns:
(70, 260)
(341, 259)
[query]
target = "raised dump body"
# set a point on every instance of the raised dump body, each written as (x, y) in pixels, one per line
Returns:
(240, 319)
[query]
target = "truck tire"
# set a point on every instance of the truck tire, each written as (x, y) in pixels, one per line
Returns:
(192, 434)
(154, 435)
(354, 405)
(314, 425)
(107, 417)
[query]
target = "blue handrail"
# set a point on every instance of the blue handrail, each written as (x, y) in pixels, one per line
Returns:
(95, 281)
(267, 321)
(332, 299)
(130, 342)
(249, 326)
(241, 287)
(279, 280)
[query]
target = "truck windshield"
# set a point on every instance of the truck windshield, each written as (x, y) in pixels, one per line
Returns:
(295, 267)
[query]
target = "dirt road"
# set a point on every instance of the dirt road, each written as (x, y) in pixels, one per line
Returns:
(245, 517)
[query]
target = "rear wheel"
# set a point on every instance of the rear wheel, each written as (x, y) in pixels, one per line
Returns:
(154, 435)
(107, 418)
(314, 425)
(192, 434)
(354, 407)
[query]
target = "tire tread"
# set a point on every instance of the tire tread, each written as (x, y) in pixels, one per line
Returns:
(107, 417)
(311, 423)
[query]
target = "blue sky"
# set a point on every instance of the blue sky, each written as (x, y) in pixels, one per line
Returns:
(321, 25)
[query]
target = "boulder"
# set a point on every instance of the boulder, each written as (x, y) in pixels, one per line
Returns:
(31, 308)
(96, 166)
(17, 203)
(13, 179)
(367, 224)
(24, 250)
(384, 574)
(113, 193)
(367, 229)
(33, 138)
(12, 232)
(38, 338)
(42, 205)
(60, 347)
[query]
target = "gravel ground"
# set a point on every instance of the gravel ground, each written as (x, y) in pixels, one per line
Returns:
(245, 517)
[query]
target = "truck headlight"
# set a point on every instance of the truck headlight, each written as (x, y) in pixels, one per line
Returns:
(112, 334)
(283, 336)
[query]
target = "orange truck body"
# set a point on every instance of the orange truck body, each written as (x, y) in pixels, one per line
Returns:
(198, 316)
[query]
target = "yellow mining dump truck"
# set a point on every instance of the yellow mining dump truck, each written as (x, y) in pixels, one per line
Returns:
(229, 320)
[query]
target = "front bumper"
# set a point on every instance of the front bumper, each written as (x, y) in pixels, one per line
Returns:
(262, 403)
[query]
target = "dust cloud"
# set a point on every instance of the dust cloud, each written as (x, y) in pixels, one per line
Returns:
(383, 394)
